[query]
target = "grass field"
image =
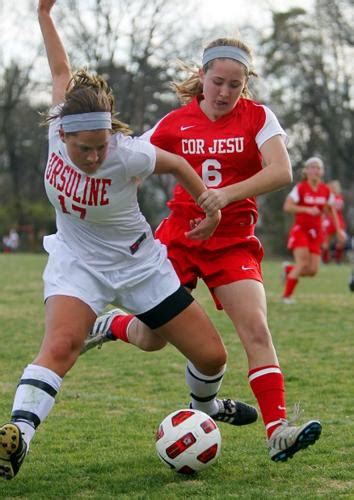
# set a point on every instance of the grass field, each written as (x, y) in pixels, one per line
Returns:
(98, 442)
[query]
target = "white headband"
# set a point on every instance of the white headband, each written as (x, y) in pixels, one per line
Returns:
(227, 51)
(80, 122)
(314, 159)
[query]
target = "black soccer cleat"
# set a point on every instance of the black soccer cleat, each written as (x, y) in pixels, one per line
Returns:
(234, 412)
(12, 450)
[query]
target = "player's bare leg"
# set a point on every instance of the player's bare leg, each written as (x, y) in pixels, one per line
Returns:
(117, 324)
(67, 322)
(245, 303)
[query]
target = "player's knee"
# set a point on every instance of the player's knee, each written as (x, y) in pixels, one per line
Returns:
(312, 272)
(304, 269)
(65, 348)
(258, 336)
(209, 367)
(211, 361)
(217, 360)
(61, 353)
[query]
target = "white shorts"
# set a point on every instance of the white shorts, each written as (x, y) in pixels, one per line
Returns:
(137, 292)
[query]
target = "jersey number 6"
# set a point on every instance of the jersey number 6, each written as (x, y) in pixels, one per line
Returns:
(210, 173)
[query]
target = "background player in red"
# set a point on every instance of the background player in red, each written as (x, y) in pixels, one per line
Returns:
(308, 201)
(237, 147)
(329, 228)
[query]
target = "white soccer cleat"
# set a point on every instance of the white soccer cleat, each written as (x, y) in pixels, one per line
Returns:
(288, 439)
(288, 300)
(101, 332)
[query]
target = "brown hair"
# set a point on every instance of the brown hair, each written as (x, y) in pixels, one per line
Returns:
(87, 93)
(192, 87)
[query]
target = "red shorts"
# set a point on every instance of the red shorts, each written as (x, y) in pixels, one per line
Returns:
(218, 261)
(302, 237)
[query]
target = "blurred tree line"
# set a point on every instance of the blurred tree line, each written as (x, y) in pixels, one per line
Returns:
(306, 67)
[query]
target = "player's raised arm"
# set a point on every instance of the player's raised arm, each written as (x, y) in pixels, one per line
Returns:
(56, 54)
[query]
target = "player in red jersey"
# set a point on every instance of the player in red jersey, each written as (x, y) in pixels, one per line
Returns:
(308, 201)
(237, 147)
(329, 227)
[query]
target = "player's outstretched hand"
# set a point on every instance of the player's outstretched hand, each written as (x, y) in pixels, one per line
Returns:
(341, 236)
(45, 5)
(313, 211)
(202, 229)
(212, 199)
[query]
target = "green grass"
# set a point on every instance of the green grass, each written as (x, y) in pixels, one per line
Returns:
(98, 443)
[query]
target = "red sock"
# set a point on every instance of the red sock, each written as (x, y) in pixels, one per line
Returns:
(119, 326)
(325, 255)
(338, 255)
(267, 384)
(288, 268)
(290, 285)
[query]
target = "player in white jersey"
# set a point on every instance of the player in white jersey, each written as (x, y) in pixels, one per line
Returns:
(237, 147)
(103, 251)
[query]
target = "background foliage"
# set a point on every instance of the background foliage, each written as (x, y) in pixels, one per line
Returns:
(306, 77)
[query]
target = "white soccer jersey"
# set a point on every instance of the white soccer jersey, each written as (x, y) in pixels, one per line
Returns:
(98, 215)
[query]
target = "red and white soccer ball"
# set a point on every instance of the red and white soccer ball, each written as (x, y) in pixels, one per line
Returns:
(188, 441)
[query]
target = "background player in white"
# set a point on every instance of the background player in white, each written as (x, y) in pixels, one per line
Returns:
(11, 242)
(308, 201)
(104, 251)
(237, 147)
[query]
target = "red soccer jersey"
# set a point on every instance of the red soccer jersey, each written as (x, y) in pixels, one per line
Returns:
(328, 223)
(222, 152)
(306, 196)
(339, 206)
(338, 202)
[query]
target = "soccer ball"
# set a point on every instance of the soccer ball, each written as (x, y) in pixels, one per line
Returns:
(188, 441)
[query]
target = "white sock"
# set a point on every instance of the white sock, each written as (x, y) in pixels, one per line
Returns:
(204, 389)
(27, 431)
(34, 398)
